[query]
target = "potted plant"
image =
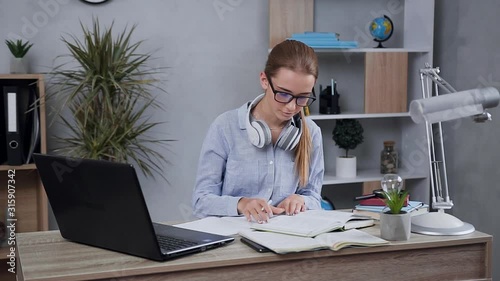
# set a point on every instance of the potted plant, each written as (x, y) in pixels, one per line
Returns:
(395, 224)
(105, 88)
(347, 134)
(19, 49)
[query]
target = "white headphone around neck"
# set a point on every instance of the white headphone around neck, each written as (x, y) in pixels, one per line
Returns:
(259, 133)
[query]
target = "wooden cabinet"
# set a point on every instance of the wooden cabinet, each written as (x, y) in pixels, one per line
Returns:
(375, 85)
(30, 204)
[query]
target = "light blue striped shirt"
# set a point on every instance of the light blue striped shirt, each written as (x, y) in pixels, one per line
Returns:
(230, 168)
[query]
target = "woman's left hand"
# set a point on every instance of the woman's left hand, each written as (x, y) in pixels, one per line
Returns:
(293, 204)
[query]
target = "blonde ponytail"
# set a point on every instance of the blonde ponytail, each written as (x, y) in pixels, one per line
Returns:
(303, 153)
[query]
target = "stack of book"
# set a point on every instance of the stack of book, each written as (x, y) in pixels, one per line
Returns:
(373, 207)
(323, 40)
(312, 230)
(306, 231)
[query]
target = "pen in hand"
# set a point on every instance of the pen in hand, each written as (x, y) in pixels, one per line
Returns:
(270, 214)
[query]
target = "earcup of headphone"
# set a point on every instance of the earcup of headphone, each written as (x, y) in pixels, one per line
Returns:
(291, 136)
(253, 134)
(288, 137)
(256, 130)
(263, 132)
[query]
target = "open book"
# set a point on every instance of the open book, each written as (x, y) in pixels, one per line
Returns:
(313, 222)
(282, 243)
(308, 224)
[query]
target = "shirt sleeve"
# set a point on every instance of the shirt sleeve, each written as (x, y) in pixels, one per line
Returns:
(312, 191)
(207, 196)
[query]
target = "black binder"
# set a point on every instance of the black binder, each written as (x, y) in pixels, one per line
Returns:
(21, 131)
(12, 105)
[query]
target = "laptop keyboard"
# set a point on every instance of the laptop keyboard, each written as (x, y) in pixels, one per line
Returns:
(168, 243)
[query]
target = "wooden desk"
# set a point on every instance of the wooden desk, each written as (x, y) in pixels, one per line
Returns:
(47, 256)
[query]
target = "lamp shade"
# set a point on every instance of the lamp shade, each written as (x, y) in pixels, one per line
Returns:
(453, 106)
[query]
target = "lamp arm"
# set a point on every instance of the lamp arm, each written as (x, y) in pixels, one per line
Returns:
(432, 73)
(437, 167)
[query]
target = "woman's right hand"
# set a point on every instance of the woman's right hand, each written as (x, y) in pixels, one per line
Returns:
(257, 209)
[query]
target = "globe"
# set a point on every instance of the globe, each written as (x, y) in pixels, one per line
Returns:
(381, 29)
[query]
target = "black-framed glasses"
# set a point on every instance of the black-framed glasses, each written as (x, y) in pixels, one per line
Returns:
(283, 97)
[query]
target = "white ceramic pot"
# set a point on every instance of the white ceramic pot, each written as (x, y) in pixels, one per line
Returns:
(346, 167)
(18, 65)
(395, 227)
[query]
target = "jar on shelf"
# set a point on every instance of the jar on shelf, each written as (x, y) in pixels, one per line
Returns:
(389, 159)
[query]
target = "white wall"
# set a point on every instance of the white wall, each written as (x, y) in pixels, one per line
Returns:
(214, 51)
(467, 50)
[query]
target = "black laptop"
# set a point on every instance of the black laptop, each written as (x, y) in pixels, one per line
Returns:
(100, 203)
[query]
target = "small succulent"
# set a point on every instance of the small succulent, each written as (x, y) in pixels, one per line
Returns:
(18, 48)
(394, 197)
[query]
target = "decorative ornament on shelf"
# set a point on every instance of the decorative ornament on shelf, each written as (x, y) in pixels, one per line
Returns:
(19, 49)
(329, 99)
(381, 29)
(394, 224)
(347, 134)
(389, 158)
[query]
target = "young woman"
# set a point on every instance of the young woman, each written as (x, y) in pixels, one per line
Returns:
(265, 157)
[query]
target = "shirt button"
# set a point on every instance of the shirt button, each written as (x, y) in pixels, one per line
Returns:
(271, 162)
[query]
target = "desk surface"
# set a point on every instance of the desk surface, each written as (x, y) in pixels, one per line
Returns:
(47, 256)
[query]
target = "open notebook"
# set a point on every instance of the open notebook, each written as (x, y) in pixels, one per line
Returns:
(313, 222)
(307, 224)
(283, 243)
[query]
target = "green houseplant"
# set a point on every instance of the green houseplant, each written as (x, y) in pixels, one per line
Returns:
(347, 134)
(394, 196)
(19, 49)
(106, 86)
(394, 223)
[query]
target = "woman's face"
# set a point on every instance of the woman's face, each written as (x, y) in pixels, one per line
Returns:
(286, 81)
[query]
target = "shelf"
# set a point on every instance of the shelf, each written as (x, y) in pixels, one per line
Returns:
(371, 50)
(18, 168)
(367, 50)
(33, 76)
(357, 116)
(366, 176)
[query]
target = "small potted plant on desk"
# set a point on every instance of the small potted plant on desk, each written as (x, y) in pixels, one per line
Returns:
(395, 224)
(18, 64)
(347, 134)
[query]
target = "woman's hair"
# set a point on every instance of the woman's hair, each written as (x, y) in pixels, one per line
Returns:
(298, 57)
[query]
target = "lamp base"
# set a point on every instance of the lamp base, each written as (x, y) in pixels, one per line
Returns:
(439, 223)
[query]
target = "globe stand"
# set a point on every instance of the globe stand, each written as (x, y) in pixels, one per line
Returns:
(380, 43)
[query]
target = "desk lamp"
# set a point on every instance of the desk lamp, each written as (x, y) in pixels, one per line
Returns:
(436, 109)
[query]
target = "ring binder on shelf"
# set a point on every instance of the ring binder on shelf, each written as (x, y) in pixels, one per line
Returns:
(13, 136)
(21, 133)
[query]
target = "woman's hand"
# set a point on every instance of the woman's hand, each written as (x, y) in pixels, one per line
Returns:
(257, 209)
(293, 204)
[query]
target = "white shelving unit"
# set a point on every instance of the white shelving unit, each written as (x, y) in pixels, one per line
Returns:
(348, 115)
(413, 34)
(367, 175)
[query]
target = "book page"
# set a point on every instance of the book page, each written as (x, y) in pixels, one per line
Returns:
(353, 237)
(218, 225)
(308, 224)
(283, 243)
(358, 223)
(297, 225)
